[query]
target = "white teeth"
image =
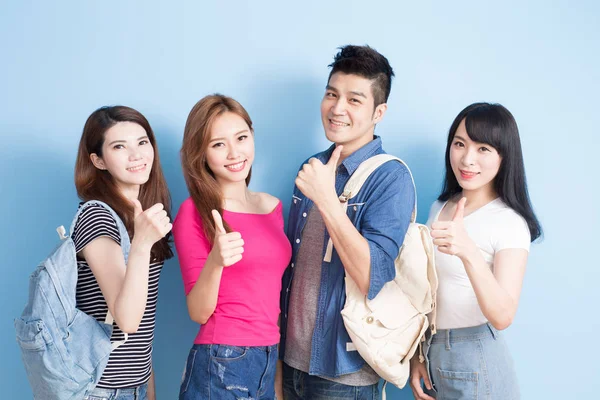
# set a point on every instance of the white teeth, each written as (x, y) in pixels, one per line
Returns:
(235, 167)
(336, 123)
(138, 168)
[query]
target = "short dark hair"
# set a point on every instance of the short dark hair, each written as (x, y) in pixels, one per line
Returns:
(493, 124)
(366, 62)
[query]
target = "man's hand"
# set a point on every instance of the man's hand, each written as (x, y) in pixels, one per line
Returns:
(317, 180)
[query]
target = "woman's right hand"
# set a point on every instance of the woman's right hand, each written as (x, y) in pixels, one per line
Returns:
(151, 225)
(227, 247)
(418, 371)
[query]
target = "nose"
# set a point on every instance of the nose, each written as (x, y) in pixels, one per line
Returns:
(135, 154)
(232, 152)
(338, 108)
(469, 157)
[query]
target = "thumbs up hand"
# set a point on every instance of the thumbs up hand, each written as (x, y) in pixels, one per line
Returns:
(151, 225)
(451, 237)
(227, 247)
(317, 180)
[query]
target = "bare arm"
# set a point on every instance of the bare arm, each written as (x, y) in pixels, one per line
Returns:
(125, 288)
(151, 387)
(498, 292)
(350, 245)
(227, 250)
(202, 299)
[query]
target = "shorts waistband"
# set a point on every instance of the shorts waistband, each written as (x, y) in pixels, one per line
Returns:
(266, 349)
(109, 393)
(465, 334)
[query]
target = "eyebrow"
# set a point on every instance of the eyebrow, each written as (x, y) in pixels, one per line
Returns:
(235, 134)
(360, 94)
(460, 138)
(124, 141)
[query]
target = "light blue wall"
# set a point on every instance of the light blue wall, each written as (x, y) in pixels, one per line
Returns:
(61, 60)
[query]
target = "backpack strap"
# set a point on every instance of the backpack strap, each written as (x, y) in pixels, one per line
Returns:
(358, 179)
(125, 247)
(125, 243)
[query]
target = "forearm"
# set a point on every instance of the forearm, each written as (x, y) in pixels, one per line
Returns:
(130, 303)
(202, 299)
(350, 245)
(495, 302)
(151, 393)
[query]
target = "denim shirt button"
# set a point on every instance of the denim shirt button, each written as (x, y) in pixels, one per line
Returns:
(292, 265)
(304, 215)
(295, 201)
(297, 240)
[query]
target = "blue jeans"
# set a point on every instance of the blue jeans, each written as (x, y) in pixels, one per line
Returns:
(471, 363)
(221, 372)
(137, 393)
(298, 385)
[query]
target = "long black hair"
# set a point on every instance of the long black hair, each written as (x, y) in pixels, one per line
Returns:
(493, 124)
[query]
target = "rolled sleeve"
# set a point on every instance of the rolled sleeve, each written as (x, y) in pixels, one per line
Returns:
(385, 223)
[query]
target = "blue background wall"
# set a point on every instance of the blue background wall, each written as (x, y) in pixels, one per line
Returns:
(62, 60)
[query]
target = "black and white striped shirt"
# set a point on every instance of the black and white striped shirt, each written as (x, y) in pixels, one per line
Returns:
(130, 364)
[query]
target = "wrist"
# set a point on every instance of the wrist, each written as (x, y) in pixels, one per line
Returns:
(329, 202)
(470, 254)
(139, 246)
(211, 263)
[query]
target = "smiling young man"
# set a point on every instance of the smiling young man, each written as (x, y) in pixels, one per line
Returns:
(318, 361)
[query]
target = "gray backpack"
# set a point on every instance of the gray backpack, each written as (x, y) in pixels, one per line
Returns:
(64, 350)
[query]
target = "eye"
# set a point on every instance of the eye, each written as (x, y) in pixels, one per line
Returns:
(118, 146)
(242, 137)
(330, 95)
(218, 144)
(143, 142)
(355, 101)
(459, 144)
(484, 149)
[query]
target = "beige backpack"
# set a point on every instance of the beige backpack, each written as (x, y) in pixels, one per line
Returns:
(387, 330)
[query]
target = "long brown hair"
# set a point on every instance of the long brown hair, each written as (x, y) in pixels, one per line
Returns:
(95, 184)
(200, 180)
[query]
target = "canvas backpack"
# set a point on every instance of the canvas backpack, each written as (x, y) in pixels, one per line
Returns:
(387, 330)
(63, 349)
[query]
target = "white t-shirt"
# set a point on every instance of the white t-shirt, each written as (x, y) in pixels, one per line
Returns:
(493, 227)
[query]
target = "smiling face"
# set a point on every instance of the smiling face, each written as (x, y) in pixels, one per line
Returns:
(127, 155)
(348, 111)
(230, 151)
(475, 165)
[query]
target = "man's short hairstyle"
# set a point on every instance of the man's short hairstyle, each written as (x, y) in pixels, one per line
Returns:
(366, 62)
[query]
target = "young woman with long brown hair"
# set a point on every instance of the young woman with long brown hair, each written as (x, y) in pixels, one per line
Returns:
(118, 165)
(232, 253)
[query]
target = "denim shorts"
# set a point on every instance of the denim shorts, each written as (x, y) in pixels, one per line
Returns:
(137, 393)
(222, 372)
(471, 363)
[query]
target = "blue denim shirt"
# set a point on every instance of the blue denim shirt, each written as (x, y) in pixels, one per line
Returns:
(381, 212)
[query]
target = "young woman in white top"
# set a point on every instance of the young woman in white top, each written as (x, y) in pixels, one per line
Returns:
(482, 226)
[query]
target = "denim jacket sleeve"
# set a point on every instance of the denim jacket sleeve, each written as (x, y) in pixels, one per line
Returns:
(385, 223)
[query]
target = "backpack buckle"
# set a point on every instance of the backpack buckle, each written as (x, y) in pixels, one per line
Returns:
(61, 232)
(344, 197)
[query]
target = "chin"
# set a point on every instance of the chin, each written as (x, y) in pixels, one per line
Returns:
(334, 137)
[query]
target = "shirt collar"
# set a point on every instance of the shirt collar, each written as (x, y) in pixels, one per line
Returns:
(352, 162)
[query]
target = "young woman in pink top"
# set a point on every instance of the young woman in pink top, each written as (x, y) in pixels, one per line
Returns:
(232, 253)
